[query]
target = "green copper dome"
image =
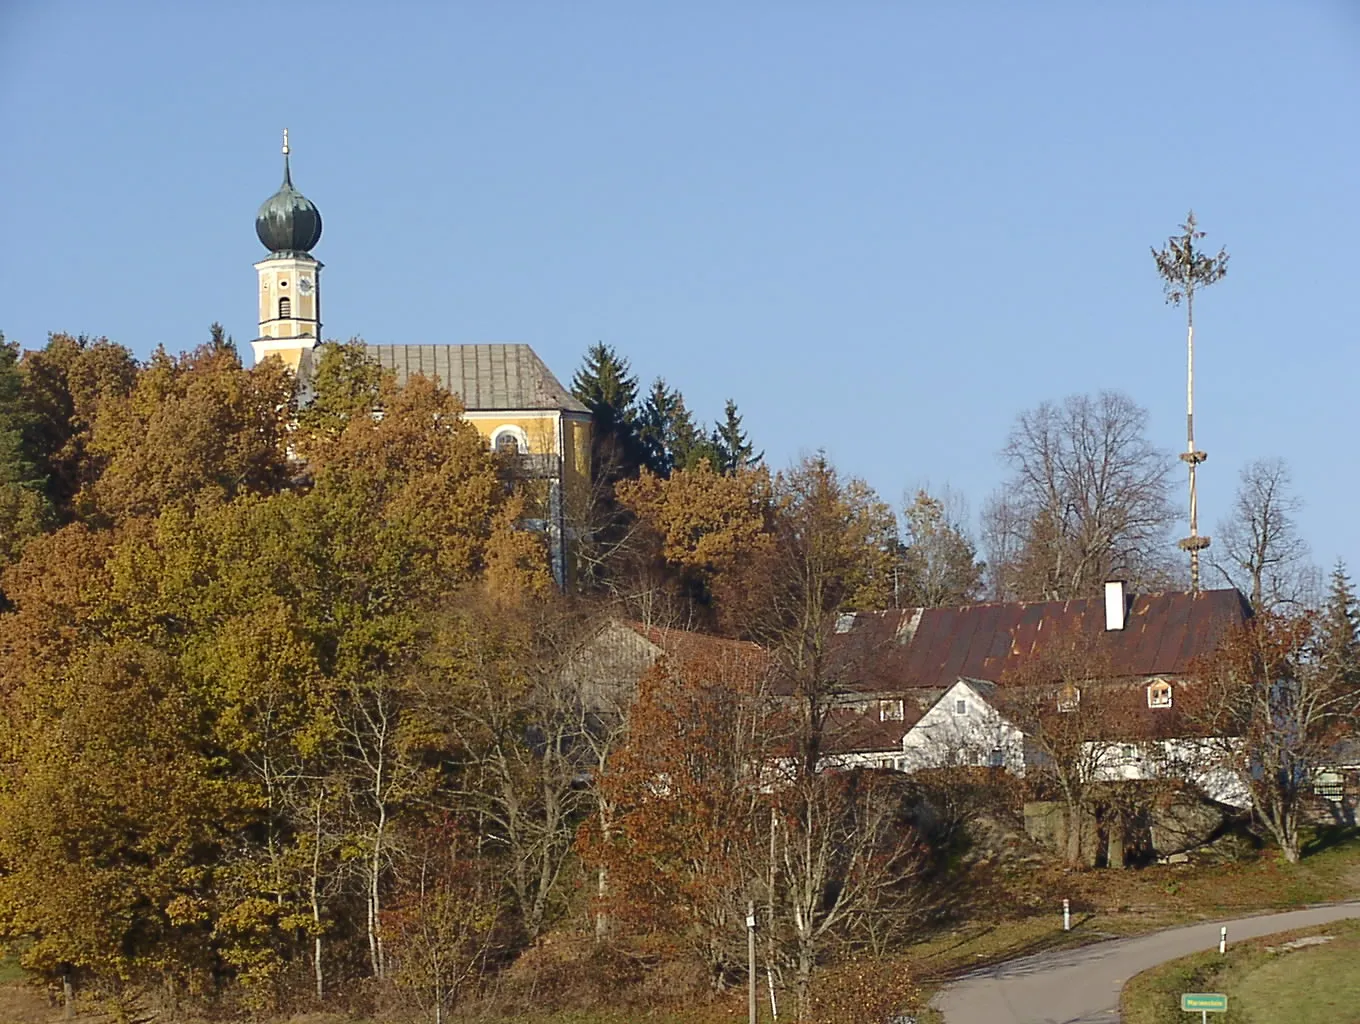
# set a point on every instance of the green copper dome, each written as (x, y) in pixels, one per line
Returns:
(288, 221)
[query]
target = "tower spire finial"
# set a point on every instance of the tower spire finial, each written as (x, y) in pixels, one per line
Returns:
(285, 142)
(287, 173)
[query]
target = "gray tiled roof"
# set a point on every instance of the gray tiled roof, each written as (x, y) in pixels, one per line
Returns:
(485, 377)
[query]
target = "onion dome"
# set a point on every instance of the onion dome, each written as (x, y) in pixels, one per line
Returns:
(287, 221)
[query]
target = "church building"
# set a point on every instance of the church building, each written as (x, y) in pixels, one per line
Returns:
(508, 392)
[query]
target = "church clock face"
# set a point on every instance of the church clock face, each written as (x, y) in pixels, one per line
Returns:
(305, 285)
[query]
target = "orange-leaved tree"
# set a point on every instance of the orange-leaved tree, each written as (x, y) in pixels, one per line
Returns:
(684, 832)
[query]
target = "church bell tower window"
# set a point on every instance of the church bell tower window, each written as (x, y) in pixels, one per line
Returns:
(285, 308)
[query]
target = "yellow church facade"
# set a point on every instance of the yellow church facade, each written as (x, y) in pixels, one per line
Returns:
(540, 429)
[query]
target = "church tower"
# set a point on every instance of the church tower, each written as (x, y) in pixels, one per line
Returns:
(289, 225)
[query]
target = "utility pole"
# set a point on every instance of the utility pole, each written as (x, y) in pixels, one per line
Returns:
(1184, 269)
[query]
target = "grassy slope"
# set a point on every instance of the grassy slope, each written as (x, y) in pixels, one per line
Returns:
(1018, 911)
(1265, 983)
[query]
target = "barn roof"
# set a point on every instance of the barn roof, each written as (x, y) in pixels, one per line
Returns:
(685, 645)
(902, 649)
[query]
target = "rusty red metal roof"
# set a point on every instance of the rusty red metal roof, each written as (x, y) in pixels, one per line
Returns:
(685, 645)
(848, 730)
(902, 649)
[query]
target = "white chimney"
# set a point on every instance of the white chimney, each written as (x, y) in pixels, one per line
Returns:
(1116, 606)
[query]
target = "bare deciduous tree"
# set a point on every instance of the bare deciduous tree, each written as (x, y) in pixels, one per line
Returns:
(1061, 704)
(1087, 500)
(526, 737)
(844, 856)
(1262, 554)
(1273, 707)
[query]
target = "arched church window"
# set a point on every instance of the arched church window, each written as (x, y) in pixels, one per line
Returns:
(285, 308)
(509, 440)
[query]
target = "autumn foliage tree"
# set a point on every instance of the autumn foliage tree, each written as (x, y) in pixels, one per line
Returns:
(219, 675)
(64, 385)
(682, 844)
(197, 428)
(699, 524)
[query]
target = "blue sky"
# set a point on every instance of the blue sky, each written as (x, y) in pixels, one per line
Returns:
(884, 228)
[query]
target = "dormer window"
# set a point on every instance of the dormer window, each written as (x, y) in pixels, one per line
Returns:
(1159, 694)
(890, 711)
(1069, 698)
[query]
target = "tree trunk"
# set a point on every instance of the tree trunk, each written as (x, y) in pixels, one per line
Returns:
(601, 919)
(803, 981)
(1074, 830)
(1289, 839)
(375, 945)
(1114, 847)
(315, 894)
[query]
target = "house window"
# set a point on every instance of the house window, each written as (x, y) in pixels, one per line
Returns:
(997, 759)
(1069, 698)
(960, 707)
(1159, 694)
(507, 444)
(1129, 753)
(890, 711)
(285, 308)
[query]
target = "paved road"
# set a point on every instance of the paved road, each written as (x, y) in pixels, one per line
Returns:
(1081, 986)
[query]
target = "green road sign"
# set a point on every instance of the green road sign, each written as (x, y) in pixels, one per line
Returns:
(1204, 1002)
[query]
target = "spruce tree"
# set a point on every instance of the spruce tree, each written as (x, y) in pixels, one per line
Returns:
(686, 444)
(655, 424)
(731, 447)
(606, 387)
(670, 439)
(609, 391)
(1340, 630)
(219, 339)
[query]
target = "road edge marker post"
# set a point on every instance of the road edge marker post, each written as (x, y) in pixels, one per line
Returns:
(1067, 915)
(1223, 940)
(751, 978)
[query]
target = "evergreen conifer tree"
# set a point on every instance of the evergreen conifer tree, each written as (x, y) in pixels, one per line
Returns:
(731, 447)
(607, 388)
(686, 444)
(219, 339)
(1340, 629)
(669, 436)
(654, 426)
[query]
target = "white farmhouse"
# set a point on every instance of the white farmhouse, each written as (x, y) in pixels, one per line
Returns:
(963, 728)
